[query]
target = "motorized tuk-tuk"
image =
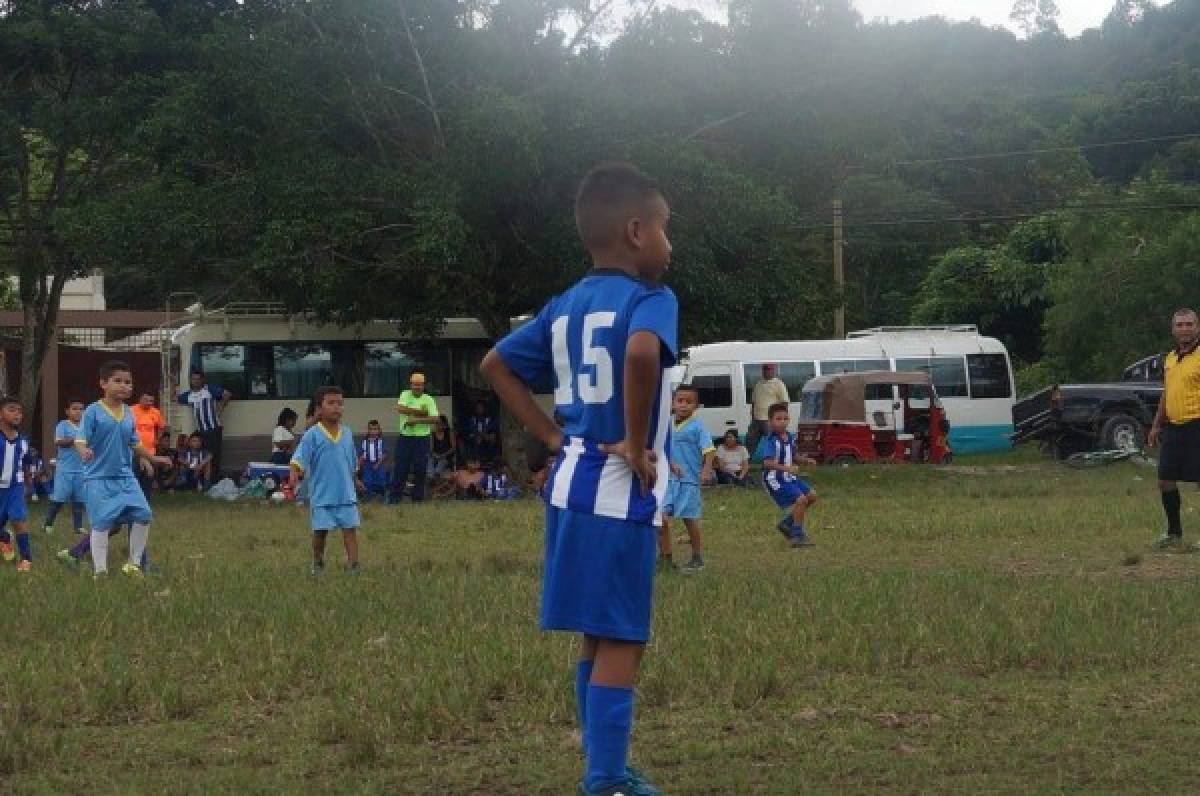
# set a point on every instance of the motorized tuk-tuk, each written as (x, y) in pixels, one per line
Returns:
(838, 426)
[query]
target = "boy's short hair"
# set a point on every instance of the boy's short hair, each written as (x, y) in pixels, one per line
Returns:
(196, 435)
(776, 409)
(372, 422)
(114, 366)
(72, 401)
(324, 390)
(9, 400)
(688, 388)
(608, 196)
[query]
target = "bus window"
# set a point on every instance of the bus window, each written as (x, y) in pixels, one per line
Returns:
(300, 368)
(715, 390)
(388, 366)
(222, 364)
(794, 375)
(948, 373)
(989, 376)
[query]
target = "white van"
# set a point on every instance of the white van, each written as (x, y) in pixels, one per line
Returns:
(972, 373)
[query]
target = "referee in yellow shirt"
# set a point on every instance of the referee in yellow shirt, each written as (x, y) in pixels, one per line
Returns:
(1179, 407)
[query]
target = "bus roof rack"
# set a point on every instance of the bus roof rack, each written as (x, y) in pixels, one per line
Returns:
(244, 308)
(968, 328)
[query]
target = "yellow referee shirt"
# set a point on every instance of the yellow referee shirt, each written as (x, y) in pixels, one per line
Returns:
(1181, 379)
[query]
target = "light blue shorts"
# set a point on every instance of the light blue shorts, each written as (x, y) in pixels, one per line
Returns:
(682, 501)
(115, 501)
(331, 518)
(68, 488)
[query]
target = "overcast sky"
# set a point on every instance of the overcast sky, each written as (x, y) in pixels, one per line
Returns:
(1077, 15)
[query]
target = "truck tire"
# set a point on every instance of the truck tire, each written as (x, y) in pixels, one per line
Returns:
(1122, 432)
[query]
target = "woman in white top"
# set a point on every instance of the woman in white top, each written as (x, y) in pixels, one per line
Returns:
(733, 460)
(282, 438)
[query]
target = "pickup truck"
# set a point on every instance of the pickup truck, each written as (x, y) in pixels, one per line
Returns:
(1070, 418)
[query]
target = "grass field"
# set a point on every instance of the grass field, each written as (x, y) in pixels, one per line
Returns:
(1000, 626)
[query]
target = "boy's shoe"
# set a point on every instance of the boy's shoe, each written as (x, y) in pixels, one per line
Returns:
(48, 528)
(355, 569)
(785, 528)
(7, 550)
(631, 786)
(1167, 541)
(80, 531)
(24, 565)
(131, 569)
(66, 559)
(664, 564)
(693, 566)
(100, 575)
(317, 569)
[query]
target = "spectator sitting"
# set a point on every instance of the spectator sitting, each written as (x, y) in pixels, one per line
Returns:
(197, 464)
(483, 434)
(283, 440)
(733, 460)
(443, 449)
(372, 463)
(497, 485)
(166, 476)
(469, 482)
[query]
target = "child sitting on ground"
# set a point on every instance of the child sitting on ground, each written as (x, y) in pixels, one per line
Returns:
(372, 463)
(469, 481)
(196, 464)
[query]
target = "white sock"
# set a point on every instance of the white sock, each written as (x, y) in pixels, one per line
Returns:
(100, 551)
(139, 533)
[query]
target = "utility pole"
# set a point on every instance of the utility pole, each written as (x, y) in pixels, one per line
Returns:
(839, 272)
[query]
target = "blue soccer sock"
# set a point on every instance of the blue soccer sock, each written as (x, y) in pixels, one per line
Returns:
(5, 536)
(23, 548)
(789, 521)
(797, 532)
(77, 516)
(583, 676)
(52, 512)
(609, 724)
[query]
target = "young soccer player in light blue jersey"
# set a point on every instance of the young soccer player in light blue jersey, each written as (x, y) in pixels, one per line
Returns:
(107, 443)
(692, 454)
(327, 460)
(604, 348)
(68, 473)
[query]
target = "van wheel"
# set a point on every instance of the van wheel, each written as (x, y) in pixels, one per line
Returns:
(843, 459)
(947, 459)
(1122, 432)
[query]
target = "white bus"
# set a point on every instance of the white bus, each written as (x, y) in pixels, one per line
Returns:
(972, 374)
(271, 360)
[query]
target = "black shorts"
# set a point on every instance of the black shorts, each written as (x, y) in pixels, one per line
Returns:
(1179, 455)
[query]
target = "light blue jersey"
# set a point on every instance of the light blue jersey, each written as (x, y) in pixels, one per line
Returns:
(112, 437)
(576, 347)
(329, 462)
(69, 462)
(690, 443)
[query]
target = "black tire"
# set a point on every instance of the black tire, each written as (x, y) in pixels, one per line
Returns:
(1122, 432)
(843, 459)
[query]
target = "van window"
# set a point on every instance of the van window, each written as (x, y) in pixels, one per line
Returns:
(829, 366)
(794, 375)
(989, 376)
(948, 373)
(715, 390)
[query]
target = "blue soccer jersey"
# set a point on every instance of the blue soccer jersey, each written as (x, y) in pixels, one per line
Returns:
(328, 462)
(112, 437)
(13, 455)
(69, 462)
(576, 346)
(690, 442)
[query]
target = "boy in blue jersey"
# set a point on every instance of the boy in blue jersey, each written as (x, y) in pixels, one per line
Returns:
(326, 459)
(14, 453)
(605, 348)
(68, 474)
(780, 477)
(107, 443)
(692, 454)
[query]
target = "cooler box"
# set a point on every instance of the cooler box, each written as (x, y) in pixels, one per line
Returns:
(272, 475)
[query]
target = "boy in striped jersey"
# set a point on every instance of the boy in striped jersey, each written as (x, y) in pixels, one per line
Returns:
(372, 463)
(196, 464)
(781, 479)
(605, 347)
(14, 450)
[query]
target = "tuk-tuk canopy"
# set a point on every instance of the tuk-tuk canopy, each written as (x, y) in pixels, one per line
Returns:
(841, 396)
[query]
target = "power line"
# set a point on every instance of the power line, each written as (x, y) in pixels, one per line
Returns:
(1042, 151)
(1085, 210)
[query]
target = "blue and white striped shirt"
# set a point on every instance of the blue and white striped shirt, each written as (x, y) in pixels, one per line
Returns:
(204, 405)
(13, 453)
(781, 450)
(372, 450)
(576, 347)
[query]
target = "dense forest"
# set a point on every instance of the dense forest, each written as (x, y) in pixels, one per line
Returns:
(415, 159)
